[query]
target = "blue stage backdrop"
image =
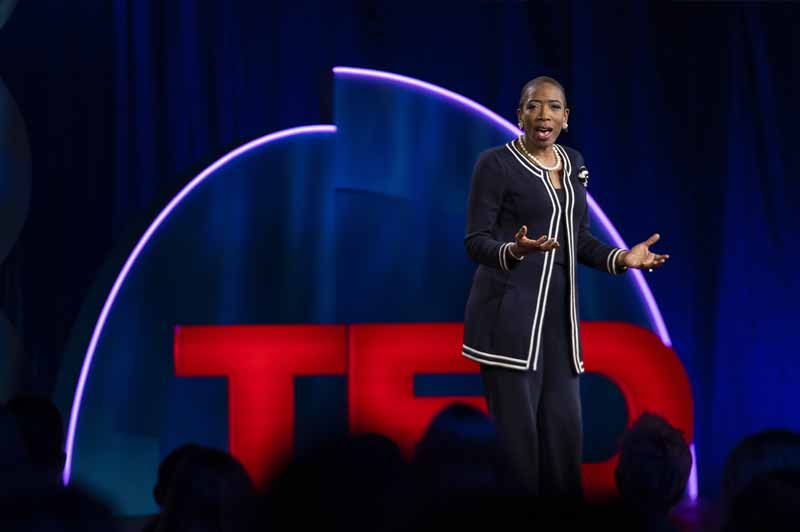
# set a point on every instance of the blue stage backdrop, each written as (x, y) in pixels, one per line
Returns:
(361, 223)
(685, 112)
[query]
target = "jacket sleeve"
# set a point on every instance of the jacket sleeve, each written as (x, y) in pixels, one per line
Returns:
(591, 251)
(483, 208)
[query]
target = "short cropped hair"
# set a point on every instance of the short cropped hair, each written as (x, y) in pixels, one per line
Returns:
(538, 80)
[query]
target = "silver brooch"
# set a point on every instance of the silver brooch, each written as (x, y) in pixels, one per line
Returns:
(583, 176)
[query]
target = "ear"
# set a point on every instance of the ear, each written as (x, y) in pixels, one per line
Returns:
(566, 115)
(519, 115)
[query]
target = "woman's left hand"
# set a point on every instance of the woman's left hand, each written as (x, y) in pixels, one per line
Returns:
(642, 258)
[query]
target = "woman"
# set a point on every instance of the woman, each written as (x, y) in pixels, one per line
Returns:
(521, 319)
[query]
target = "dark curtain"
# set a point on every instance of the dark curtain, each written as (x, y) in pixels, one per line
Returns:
(56, 60)
(684, 112)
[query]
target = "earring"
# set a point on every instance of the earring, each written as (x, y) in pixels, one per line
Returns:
(566, 127)
(519, 124)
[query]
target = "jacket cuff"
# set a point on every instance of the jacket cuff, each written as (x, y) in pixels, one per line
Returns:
(611, 262)
(507, 259)
(511, 253)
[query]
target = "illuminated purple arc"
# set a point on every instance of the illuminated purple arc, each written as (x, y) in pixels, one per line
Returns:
(450, 95)
(655, 314)
(101, 321)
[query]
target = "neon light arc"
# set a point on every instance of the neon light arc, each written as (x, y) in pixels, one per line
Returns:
(123, 274)
(644, 289)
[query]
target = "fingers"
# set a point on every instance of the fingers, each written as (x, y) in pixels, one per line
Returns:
(549, 245)
(543, 243)
(654, 262)
(652, 240)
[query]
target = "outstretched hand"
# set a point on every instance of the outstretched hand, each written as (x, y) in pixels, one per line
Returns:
(642, 258)
(525, 245)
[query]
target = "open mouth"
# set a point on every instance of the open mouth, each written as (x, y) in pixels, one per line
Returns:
(543, 133)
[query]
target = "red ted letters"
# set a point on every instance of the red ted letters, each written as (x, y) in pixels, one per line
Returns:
(380, 361)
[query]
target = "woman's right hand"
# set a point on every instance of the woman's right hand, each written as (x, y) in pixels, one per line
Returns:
(525, 245)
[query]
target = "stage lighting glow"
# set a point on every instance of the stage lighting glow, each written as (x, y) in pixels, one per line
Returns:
(98, 328)
(644, 289)
(692, 487)
(641, 283)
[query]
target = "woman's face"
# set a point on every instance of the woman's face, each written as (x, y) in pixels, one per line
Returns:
(543, 114)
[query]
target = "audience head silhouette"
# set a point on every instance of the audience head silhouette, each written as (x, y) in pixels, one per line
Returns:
(760, 453)
(209, 491)
(349, 484)
(42, 430)
(654, 465)
(460, 453)
(168, 467)
(769, 501)
(13, 453)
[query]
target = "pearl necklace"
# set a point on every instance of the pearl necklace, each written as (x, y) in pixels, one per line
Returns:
(532, 157)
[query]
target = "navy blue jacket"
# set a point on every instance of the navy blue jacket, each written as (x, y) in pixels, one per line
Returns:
(508, 300)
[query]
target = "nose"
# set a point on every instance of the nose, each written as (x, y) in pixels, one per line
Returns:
(542, 113)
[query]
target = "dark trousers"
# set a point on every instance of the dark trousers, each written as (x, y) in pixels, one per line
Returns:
(538, 413)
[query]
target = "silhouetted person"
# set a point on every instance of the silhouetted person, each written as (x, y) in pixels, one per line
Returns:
(209, 491)
(39, 423)
(654, 466)
(358, 483)
(17, 468)
(13, 454)
(169, 466)
(460, 453)
(769, 502)
(166, 473)
(472, 512)
(763, 452)
(49, 507)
